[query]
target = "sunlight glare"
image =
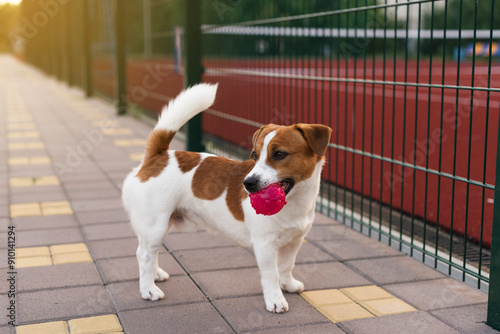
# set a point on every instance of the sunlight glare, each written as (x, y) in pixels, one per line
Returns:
(12, 2)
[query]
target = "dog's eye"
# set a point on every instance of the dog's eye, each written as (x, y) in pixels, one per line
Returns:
(280, 155)
(253, 155)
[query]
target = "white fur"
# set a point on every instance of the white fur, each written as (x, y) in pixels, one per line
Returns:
(276, 239)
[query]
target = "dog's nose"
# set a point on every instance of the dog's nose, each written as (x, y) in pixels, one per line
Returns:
(251, 183)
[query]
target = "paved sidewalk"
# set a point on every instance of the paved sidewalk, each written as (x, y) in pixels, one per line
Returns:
(62, 162)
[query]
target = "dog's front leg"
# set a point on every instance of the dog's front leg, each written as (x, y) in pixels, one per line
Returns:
(267, 256)
(286, 262)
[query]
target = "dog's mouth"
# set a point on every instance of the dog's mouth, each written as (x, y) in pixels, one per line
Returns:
(287, 185)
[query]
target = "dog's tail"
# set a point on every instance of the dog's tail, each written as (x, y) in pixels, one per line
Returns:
(185, 106)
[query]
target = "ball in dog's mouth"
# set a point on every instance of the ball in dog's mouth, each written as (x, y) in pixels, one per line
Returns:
(270, 200)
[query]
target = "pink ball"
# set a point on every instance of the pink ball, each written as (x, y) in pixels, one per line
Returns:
(269, 201)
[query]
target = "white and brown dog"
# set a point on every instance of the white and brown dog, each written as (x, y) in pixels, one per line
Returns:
(181, 189)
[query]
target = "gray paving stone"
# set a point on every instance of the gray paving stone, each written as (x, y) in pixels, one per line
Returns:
(7, 329)
(196, 240)
(196, 318)
(328, 232)
(364, 248)
(177, 289)
(107, 249)
(126, 268)
(33, 238)
(55, 195)
(44, 222)
(405, 323)
(229, 283)
(437, 294)
(310, 253)
(327, 275)
(324, 328)
(468, 319)
(93, 194)
(102, 216)
(215, 258)
(394, 270)
(43, 306)
(108, 231)
(96, 204)
(249, 313)
(58, 276)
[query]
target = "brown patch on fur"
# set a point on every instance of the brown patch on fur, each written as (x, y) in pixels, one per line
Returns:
(216, 174)
(156, 156)
(187, 160)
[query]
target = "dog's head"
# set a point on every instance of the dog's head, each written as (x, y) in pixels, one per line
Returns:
(286, 155)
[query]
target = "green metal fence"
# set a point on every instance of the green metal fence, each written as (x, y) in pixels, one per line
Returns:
(410, 88)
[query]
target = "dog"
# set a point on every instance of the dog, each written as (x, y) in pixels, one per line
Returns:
(187, 189)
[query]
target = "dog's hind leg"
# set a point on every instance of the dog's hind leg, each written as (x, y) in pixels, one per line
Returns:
(147, 257)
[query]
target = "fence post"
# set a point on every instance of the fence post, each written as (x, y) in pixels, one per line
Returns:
(120, 57)
(193, 68)
(493, 319)
(87, 48)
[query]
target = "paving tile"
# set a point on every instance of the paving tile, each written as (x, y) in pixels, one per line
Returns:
(395, 270)
(324, 328)
(196, 318)
(98, 324)
(60, 276)
(108, 231)
(53, 194)
(177, 289)
(325, 297)
(44, 222)
(62, 303)
(126, 268)
(249, 313)
(197, 240)
(310, 253)
(327, 232)
(467, 319)
(412, 322)
(104, 216)
(327, 275)
(437, 294)
(363, 293)
(345, 312)
(56, 208)
(365, 248)
(35, 261)
(25, 210)
(107, 249)
(96, 205)
(229, 283)
(68, 248)
(56, 327)
(32, 251)
(92, 194)
(72, 258)
(49, 237)
(216, 258)
(387, 306)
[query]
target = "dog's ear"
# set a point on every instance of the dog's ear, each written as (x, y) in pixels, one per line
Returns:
(257, 134)
(316, 135)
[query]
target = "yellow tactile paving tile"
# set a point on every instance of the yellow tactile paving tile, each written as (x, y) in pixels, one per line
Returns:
(20, 161)
(117, 131)
(56, 208)
(26, 146)
(21, 126)
(130, 142)
(100, 324)
(91, 325)
(23, 134)
(40, 209)
(136, 156)
(49, 180)
(57, 327)
(52, 255)
(355, 303)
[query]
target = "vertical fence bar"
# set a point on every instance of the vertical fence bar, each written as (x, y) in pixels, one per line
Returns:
(120, 58)
(493, 319)
(193, 67)
(87, 48)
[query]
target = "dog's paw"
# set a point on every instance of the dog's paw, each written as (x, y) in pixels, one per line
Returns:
(161, 275)
(293, 286)
(277, 305)
(153, 293)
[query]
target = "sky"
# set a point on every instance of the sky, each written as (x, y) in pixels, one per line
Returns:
(15, 2)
